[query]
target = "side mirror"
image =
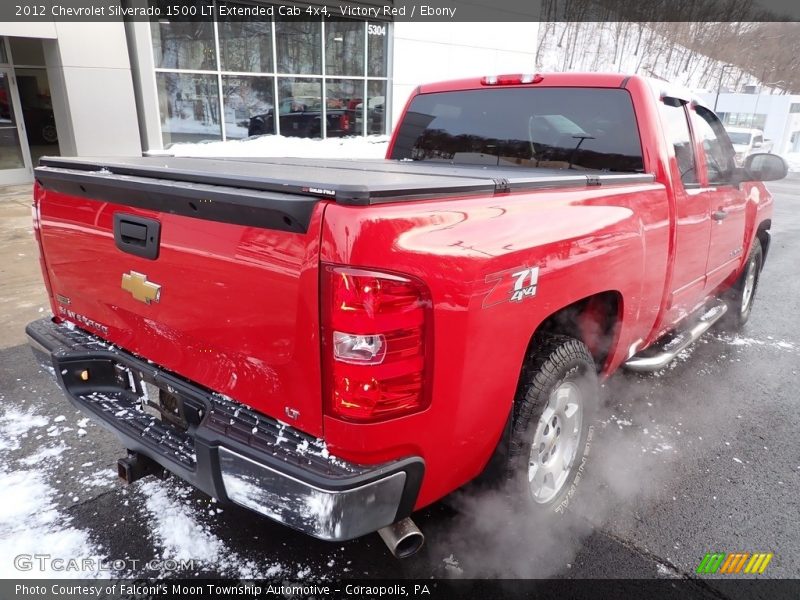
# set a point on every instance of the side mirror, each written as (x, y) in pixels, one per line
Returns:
(765, 167)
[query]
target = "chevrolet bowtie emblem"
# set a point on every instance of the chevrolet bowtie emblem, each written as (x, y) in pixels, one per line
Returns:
(141, 289)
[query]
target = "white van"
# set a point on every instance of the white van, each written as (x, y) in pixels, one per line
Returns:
(747, 141)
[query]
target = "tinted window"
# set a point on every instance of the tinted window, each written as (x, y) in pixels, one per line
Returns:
(677, 132)
(716, 145)
(578, 128)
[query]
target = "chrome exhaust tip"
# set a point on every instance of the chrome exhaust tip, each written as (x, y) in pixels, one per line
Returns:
(403, 538)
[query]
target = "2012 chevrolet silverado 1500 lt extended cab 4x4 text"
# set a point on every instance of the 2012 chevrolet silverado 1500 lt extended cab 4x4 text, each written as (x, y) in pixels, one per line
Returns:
(337, 343)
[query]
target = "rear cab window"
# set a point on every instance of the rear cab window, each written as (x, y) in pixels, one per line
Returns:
(588, 129)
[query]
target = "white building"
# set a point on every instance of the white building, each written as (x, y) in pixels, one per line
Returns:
(113, 88)
(778, 116)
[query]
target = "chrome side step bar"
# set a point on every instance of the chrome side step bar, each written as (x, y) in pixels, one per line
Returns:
(654, 359)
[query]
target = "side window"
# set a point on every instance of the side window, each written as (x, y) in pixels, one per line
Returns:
(757, 141)
(716, 145)
(677, 131)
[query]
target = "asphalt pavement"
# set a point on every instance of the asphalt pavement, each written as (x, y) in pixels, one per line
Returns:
(701, 457)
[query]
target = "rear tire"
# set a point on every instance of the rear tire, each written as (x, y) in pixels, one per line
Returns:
(741, 296)
(551, 432)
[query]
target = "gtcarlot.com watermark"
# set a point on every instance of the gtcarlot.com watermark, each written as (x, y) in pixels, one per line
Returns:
(93, 564)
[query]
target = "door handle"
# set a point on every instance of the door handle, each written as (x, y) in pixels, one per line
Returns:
(719, 215)
(137, 235)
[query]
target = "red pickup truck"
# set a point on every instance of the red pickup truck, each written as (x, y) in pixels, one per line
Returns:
(336, 343)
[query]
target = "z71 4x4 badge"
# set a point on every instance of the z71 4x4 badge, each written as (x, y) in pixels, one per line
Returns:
(513, 285)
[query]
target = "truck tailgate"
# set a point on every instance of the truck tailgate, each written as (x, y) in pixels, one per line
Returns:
(226, 304)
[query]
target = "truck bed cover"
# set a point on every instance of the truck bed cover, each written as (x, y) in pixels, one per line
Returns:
(281, 189)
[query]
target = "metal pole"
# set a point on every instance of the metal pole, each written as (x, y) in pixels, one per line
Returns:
(719, 84)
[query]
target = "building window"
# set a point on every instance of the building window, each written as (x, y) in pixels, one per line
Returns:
(751, 120)
(344, 48)
(376, 107)
(224, 80)
(246, 46)
(298, 44)
(794, 107)
(185, 45)
(300, 106)
(247, 102)
(189, 107)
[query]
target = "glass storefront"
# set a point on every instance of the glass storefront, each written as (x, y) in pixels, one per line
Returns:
(189, 107)
(223, 80)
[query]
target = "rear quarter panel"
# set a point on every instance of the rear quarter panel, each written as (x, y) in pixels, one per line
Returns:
(584, 241)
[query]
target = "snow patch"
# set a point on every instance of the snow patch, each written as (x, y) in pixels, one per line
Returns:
(45, 456)
(31, 523)
(183, 537)
(103, 478)
(279, 146)
(15, 424)
(739, 341)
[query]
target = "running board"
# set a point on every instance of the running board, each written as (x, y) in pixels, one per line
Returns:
(660, 355)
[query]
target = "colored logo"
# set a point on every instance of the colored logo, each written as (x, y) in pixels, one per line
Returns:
(141, 289)
(734, 563)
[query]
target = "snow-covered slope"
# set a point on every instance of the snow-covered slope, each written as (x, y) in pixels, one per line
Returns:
(634, 48)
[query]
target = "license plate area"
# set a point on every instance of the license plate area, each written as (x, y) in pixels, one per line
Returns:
(169, 407)
(164, 406)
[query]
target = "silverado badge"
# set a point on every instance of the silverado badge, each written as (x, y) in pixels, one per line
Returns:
(141, 289)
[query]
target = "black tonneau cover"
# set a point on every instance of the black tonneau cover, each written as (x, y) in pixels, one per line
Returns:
(276, 190)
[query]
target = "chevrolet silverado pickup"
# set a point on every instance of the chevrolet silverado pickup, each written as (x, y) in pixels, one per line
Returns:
(335, 344)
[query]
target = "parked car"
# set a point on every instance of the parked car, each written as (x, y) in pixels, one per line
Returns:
(302, 117)
(746, 142)
(334, 344)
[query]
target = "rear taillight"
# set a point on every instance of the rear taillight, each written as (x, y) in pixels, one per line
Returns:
(376, 344)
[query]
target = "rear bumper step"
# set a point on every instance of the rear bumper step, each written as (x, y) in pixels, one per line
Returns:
(227, 450)
(660, 355)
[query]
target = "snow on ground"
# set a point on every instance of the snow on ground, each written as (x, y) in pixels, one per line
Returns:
(15, 424)
(45, 455)
(181, 536)
(770, 342)
(31, 523)
(276, 145)
(100, 479)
